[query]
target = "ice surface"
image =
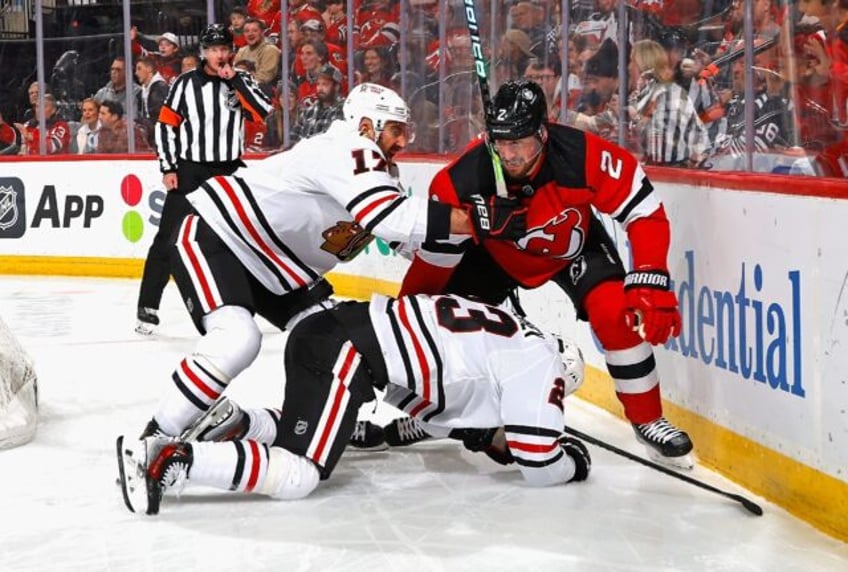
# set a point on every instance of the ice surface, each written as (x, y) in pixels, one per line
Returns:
(434, 506)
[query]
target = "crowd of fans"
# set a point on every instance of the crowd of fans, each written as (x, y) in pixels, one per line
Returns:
(684, 83)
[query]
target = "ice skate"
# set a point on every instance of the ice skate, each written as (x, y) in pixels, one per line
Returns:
(368, 436)
(665, 443)
(148, 467)
(148, 319)
(405, 431)
(225, 421)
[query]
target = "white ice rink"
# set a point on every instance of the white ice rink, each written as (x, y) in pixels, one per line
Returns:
(431, 507)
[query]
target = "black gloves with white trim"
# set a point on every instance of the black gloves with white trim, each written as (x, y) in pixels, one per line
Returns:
(496, 217)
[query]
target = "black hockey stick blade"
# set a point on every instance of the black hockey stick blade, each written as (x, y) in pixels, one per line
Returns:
(749, 505)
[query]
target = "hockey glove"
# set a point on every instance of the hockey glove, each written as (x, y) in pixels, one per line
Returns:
(580, 455)
(651, 307)
(477, 440)
(497, 218)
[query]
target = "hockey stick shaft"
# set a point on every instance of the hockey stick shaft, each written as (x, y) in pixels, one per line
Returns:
(481, 69)
(749, 505)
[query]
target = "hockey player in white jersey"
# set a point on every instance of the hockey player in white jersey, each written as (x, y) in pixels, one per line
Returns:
(451, 362)
(262, 239)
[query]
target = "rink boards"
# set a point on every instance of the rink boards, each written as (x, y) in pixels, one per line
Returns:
(759, 376)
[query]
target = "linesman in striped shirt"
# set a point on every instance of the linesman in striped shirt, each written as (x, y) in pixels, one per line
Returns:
(199, 135)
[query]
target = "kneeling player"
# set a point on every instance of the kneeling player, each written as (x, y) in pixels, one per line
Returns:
(458, 364)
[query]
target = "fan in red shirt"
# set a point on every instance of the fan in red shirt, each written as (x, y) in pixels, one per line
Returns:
(58, 135)
(560, 174)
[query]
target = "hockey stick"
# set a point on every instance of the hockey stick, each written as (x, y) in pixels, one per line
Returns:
(749, 505)
(482, 71)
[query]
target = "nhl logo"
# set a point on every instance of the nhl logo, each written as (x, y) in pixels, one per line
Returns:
(8, 207)
(300, 427)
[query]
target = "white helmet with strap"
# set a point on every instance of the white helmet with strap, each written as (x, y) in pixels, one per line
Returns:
(377, 103)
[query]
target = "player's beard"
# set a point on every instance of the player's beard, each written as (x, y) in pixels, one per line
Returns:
(520, 169)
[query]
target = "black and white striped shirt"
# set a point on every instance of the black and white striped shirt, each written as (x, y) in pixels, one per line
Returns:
(202, 119)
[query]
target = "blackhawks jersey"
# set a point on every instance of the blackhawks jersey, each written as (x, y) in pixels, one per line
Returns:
(458, 363)
(579, 172)
(293, 216)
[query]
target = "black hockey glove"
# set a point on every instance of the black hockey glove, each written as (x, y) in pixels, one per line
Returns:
(477, 440)
(497, 218)
(580, 455)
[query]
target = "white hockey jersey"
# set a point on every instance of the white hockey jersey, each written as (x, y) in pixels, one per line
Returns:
(295, 215)
(456, 363)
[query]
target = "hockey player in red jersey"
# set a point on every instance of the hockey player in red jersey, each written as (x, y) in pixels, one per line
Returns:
(450, 361)
(261, 240)
(560, 174)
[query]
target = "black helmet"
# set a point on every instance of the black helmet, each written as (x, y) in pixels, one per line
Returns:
(518, 110)
(216, 35)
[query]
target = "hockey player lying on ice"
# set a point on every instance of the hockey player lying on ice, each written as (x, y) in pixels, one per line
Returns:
(463, 365)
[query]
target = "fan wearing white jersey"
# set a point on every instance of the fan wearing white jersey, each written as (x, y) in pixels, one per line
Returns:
(261, 240)
(457, 363)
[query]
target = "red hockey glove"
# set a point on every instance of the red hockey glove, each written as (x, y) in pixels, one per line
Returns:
(580, 455)
(496, 217)
(652, 307)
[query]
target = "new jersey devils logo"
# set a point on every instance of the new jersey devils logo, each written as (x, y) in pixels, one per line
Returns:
(560, 237)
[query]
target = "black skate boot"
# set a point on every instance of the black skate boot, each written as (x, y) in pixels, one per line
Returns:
(368, 437)
(148, 319)
(665, 443)
(405, 431)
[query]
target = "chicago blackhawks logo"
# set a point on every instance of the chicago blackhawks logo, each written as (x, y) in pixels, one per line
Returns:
(560, 237)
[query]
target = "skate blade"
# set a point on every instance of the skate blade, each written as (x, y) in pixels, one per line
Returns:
(682, 463)
(135, 487)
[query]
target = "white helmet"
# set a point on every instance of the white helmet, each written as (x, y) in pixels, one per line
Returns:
(572, 359)
(377, 103)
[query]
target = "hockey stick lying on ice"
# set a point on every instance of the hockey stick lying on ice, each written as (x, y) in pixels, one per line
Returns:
(750, 506)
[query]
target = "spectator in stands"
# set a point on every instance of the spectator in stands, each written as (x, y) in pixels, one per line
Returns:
(596, 110)
(113, 133)
(335, 23)
(167, 61)
(86, 138)
(513, 55)
(189, 62)
(58, 136)
(548, 77)
(116, 89)
(529, 18)
(268, 11)
(376, 67)
(154, 90)
(315, 30)
(665, 123)
(238, 17)
(316, 118)
(312, 56)
(303, 11)
(32, 97)
(265, 55)
(772, 110)
(11, 138)
(369, 21)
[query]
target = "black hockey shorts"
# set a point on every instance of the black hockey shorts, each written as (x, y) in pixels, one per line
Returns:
(209, 276)
(327, 380)
(599, 262)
